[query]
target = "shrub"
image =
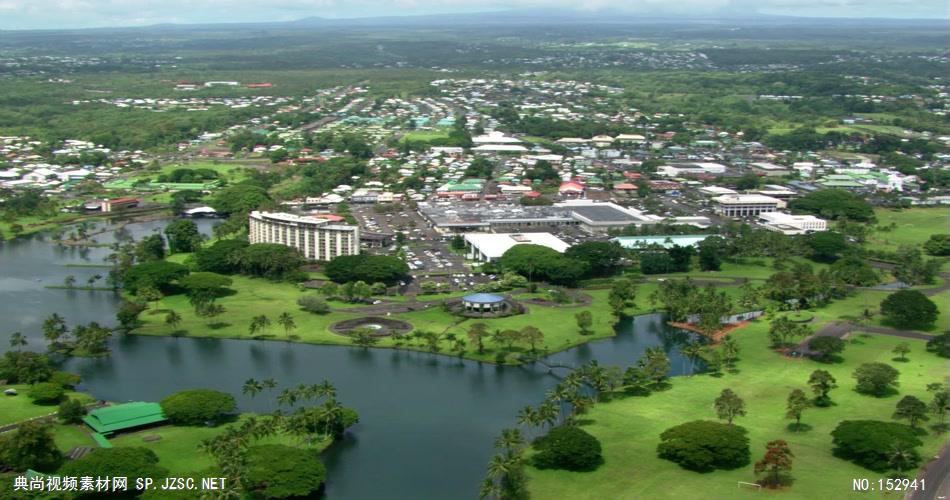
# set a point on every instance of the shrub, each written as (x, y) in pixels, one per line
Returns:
(703, 446)
(871, 444)
(940, 345)
(197, 406)
(875, 379)
(133, 462)
(313, 304)
(569, 448)
(279, 471)
(71, 411)
(46, 393)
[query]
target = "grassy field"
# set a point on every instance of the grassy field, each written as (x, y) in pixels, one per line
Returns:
(629, 429)
(21, 407)
(425, 135)
(750, 268)
(914, 226)
(254, 297)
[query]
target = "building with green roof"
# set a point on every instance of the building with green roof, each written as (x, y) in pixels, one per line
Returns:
(110, 419)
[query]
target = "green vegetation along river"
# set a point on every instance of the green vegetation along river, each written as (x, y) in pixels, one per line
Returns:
(427, 421)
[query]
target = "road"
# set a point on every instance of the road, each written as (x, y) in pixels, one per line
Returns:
(936, 477)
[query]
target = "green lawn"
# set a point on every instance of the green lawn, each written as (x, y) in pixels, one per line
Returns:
(21, 407)
(750, 268)
(70, 436)
(914, 226)
(851, 308)
(177, 449)
(425, 135)
(629, 429)
(254, 297)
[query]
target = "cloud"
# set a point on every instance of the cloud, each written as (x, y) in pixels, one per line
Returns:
(25, 14)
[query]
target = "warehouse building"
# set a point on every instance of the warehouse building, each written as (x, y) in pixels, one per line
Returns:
(485, 247)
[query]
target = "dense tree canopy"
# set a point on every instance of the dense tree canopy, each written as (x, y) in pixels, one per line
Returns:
(31, 446)
(221, 257)
(703, 446)
(871, 444)
(834, 204)
(197, 406)
(270, 260)
(366, 268)
(183, 236)
(938, 244)
(875, 379)
(537, 262)
(240, 199)
(25, 367)
(157, 274)
(909, 309)
(131, 462)
(279, 471)
(569, 448)
(602, 257)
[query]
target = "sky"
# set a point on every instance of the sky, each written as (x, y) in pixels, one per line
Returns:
(62, 14)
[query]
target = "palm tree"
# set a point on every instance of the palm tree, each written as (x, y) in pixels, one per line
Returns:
(489, 489)
(287, 397)
(69, 281)
(901, 457)
(173, 319)
(548, 413)
(17, 341)
(691, 351)
(500, 466)
(259, 323)
(287, 321)
(252, 387)
(326, 389)
(510, 440)
(269, 383)
(330, 412)
(528, 416)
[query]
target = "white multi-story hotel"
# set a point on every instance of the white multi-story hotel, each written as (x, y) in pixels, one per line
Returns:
(313, 237)
(740, 205)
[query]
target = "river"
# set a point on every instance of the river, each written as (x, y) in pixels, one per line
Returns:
(427, 421)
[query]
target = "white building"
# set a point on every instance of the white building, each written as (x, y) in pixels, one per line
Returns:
(313, 237)
(792, 224)
(740, 205)
(485, 247)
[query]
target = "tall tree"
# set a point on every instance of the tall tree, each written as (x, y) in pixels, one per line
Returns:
(797, 403)
(287, 321)
(911, 409)
(477, 333)
(822, 383)
(777, 459)
(729, 406)
(17, 341)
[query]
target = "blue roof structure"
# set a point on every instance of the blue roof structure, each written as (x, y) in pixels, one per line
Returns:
(483, 298)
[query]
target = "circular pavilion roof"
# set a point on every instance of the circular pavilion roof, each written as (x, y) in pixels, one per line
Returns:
(483, 298)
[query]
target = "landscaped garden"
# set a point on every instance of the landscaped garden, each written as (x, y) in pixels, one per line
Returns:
(629, 429)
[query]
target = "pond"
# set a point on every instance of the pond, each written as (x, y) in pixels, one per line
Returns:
(427, 421)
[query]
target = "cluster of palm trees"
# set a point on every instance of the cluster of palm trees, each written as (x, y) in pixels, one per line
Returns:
(505, 477)
(307, 418)
(727, 355)
(260, 323)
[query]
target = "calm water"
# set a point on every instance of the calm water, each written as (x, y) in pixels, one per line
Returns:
(427, 421)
